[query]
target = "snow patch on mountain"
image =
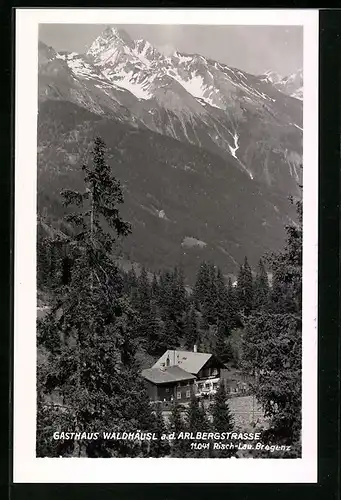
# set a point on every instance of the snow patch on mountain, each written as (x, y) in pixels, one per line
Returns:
(297, 126)
(190, 241)
(236, 146)
(140, 90)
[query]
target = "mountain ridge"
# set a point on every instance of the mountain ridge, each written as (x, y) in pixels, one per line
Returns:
(178, 99)
(200, 180)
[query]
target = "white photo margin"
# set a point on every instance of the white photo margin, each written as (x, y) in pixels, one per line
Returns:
(26, 467)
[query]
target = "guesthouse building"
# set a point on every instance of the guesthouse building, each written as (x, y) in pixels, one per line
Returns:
(176, 374)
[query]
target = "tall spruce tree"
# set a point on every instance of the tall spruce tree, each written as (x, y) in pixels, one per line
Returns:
(155, 289)
(160, 447)
(197, 421)
(179, 447)
(222, 349)
(222, 418)
(245, 288)
(93, 364)
(261, 295)
(201, 284)
(131, 280)
(191, 328)
(232, 306)
(272, 344)
(221, 306)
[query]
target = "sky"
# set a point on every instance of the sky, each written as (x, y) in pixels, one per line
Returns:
(254, 49)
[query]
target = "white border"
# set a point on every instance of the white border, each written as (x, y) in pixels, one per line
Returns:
(26, 467)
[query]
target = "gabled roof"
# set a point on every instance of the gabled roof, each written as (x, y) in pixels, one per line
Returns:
(189, 361)
(166, 375)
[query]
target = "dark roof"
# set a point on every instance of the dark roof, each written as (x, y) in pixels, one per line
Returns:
(189, 361)
(166, 375)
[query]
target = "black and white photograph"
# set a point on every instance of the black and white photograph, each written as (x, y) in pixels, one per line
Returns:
(169, 299)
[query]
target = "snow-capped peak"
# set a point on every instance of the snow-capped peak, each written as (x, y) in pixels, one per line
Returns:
(109, 44)
(112, 32)
(272, 76)
(146, 52)
(291, 85)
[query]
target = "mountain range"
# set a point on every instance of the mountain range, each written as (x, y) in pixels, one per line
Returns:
(207, 154)
(291, 85)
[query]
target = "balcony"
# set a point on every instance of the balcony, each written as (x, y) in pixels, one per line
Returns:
(206, 387)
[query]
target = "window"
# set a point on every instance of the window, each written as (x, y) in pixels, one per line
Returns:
(167, 389)
(178, 395)
(188, 394)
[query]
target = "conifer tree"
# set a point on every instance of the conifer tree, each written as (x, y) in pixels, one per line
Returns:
(131, 280)
(222, 418)
(178, 302)
(272, 343)
(261, 294)
(245, 288)
(191, 328)
(156, 341)
(144, 308)
(197, 421)
(94, 364)
(195, 416)
(179, 447)
(155, 289)
(221, 350)
(160, 447)
(201, 284)
(144, 292)
(232, 306)
(170, 336)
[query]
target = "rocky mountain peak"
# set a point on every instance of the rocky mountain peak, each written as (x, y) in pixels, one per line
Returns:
(112, 33)
(272, 76)
(109, 44)
(291, 85)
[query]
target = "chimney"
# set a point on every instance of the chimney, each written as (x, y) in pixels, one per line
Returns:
(195, 348)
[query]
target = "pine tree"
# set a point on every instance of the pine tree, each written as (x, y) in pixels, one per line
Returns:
(261, 289)
(131, 280)
(93, 364)
(195, 416)
(191, 329)
(179, 447)
(222, 350)
(232, 306)
(222, 418)
(272, 343)
(197, 421)
(143, 305)
(156, 342)
(178, 302)
(200, 288)
(170, 335)
(165, 292)
(245, 288)
(286, 267)
(221, 313)
(155, 289)
(161, 447)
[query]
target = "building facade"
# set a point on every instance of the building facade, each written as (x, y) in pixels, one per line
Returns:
(179, 373)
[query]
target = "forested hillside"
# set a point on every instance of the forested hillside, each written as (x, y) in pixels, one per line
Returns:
(104, 324)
